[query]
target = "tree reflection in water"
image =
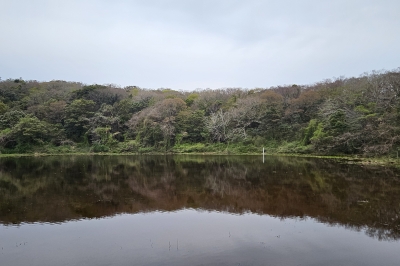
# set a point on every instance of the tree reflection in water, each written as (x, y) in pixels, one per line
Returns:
(56, 189)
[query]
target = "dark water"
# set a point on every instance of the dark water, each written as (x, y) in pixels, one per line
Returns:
(197, 210)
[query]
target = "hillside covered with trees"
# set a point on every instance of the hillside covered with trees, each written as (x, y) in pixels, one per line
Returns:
(343, 116)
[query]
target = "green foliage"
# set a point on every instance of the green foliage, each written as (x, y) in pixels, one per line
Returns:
(191, 125)
(191, 98)
(243, 148)
(77, 118)
(146, 150)
(31, 130)
(231, 102)
(259, 141)
(294, 147)
(86, 90)
(99, 94)
(189, 148)
(318, 134)
(10, 119)
(232, 148)
(309, 131)
(271, 124)
(124, 109)
(130, 146)
(100, 148)
(139, 105)
(28, 132)
(3, 108)
(337, 122)
(362, 109)
(344, 116)
(103, 136)
(150, 135)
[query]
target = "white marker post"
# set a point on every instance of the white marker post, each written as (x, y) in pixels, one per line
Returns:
(263, 155)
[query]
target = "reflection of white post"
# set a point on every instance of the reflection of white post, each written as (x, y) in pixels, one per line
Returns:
(263, 155)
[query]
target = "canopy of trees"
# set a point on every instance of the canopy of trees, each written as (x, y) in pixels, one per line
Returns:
(358, 115)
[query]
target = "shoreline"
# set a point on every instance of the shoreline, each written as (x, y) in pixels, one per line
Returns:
(381, 161)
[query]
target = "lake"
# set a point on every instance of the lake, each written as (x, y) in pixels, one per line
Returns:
(197, 210)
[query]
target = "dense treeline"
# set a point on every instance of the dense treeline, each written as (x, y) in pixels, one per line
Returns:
(341, 116)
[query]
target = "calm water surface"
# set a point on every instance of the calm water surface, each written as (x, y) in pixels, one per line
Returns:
(197, 210)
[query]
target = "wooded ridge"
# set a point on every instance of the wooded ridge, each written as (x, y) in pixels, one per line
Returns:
(342, 116)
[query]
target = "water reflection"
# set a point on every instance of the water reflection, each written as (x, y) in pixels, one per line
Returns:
(190, 237)
(58, 189)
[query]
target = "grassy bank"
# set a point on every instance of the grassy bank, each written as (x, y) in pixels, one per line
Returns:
(273, 149)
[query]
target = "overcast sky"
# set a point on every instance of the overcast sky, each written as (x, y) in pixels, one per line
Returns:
(190, 44)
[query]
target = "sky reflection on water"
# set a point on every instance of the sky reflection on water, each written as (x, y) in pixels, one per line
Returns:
(190, 237)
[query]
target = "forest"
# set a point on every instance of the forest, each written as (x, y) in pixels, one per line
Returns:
(340, 116)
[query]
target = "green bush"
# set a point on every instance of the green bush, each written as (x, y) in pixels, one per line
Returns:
(259, 141)
(189, 147)
(146, 149)
(294, 147)
(128, 146)
(100, 148)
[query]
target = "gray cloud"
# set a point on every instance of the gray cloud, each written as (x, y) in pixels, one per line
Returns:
(187, 44)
